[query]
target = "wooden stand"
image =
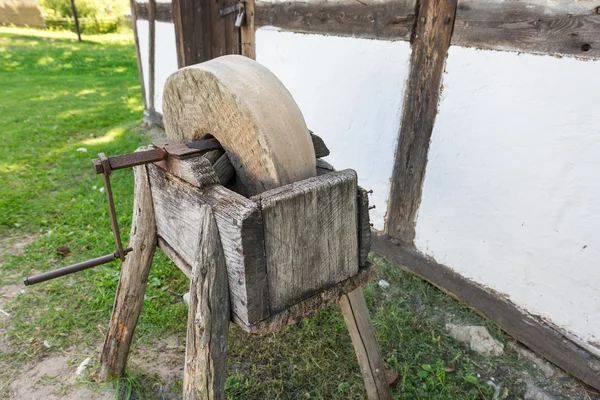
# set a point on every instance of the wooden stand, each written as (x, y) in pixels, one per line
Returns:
(247, 263)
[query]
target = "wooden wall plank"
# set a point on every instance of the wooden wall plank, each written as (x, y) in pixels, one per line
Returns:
(248, 32)
(528, 330)
(430, 46)
(562, 28)
(366, 19)
(201, 34)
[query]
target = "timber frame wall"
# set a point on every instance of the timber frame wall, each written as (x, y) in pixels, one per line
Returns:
(431, 26)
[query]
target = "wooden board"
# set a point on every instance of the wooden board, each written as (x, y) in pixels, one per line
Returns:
(200, 33)
(530, 331)
(312, 304)
(177, 207)
(251, 113)
(550, 27)
(357, 18)
(310, 236)
(432, 38)
(208, 317)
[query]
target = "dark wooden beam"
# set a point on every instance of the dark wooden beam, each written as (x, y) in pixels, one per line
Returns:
(528, 330)
(164, 12)
(248, 32)
(393, 19)
(430, 46)
(134, 19)
(570, 28)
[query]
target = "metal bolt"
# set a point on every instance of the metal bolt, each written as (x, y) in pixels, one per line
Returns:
(372, 207)
(370, 191)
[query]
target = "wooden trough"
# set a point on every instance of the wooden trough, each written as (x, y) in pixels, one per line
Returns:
(261, 260)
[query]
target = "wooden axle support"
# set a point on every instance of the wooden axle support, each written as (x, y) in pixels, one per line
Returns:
(227, 244)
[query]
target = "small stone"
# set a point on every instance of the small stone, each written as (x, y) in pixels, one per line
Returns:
(46, 344)
(393, 377)
(186, 299)
(82, 367)
(383, 284)
(82, 150)
(477, 337)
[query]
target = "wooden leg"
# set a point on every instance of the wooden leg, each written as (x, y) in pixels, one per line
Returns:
(208, 318)
(358, 321)
(132, 285)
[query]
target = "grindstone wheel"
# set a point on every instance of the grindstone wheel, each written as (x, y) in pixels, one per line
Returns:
(254, 117)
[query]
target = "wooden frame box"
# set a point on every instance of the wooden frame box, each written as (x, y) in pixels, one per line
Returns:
(265, 240)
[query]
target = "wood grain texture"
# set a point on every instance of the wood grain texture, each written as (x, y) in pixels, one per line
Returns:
(364, 18)
(240, 103)
(562, 28)
(247, 32)
(430, 47)
(177, 207)
(134, 18)
(200, 33)
(164, 11)
(151, 52)
(528, 330)
(310, 236)
(312, 304)
(133, 280)
(197, 171)
(208, 317)
(364, 339)
(364, 227)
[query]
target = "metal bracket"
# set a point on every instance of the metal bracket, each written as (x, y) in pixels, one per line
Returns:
(241, 10)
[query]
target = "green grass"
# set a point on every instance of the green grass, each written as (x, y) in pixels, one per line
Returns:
(59, 95)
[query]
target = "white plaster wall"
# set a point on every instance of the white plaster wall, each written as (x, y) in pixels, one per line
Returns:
(165, 57)
(511, 194)
(350, 91)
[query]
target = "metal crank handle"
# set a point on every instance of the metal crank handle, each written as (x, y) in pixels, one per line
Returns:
(94, 262)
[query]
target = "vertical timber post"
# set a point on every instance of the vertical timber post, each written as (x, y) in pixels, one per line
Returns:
(134, 18)
(248, 32)
(76, 18)
(132, 284)
(360, 326)
(151, 53)
(208, 318)
(432, 35)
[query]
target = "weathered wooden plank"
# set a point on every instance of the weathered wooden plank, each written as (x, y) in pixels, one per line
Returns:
(312, 304)
(151, 52)
(208, 317)
(430, 46)
(310, 236)
(364, 227)
(247, 32)
(530, 331)
(360, 18)
(134, 18)
(164, 11)
(132, 284)
(177, 208)
(197, 171)
(549, 27)
(364, 339)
